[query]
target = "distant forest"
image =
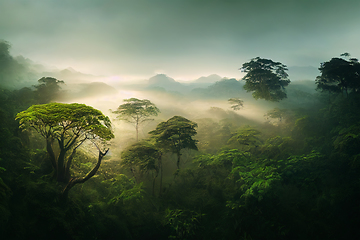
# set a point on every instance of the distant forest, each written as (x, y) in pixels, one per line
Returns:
(65, 173)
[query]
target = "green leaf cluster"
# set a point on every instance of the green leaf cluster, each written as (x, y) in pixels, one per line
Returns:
(266, 79)
(60, 120)
(175, 134)
(136, 110)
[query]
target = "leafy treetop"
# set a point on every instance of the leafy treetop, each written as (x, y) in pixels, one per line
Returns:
(47, 89)
(69, 122)
(339, 75)
(136, 111)
(140, 154)
(176, 134)
(266, 79)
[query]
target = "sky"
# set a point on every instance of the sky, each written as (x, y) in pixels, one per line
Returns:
(184, 39)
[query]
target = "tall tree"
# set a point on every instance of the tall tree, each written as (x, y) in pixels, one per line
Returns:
(65, 128)
(339, 75)
(266, 79)
(141, 158)
(47, 89)
(136, 111)
(176, 134)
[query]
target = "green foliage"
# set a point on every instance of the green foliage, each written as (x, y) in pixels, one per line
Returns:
(184, 222)
(60, 120)
(82, 163)
(279, 147)
(277, 113)
(266, 79)
(125, 190)
(69, 125)
(246, 136)
(298, 165)
(339, 75)
(136, 111)
(255, 178)
(177, 129)
(47, 90)
(140, 158)
(175, 134)
(348, 140)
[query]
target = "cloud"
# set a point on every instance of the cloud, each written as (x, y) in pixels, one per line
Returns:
(181, 37)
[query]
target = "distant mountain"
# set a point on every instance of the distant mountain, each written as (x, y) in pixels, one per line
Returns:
(165, 82)
(209, 79)
(303, 73)
(161, 79)
(93, 89)
(71, 75)
(225, 88)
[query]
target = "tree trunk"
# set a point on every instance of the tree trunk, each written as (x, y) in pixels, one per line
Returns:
(178, 160)
(161, 173)
(60, 168)
(153, 187)
(68, 165)
(74, 181)
(51, 153)
(137, 131)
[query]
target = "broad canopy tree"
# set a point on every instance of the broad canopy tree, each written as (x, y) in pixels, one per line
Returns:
(136, 111)
(339, 75)
(175, 134)
(65, 128)
(47, 89)
(266, 79)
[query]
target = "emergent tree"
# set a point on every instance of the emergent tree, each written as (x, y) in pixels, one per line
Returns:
(339, 75)
(136, 111)
(266, 79)
(65, 128)
(176, 134)
(47, 89)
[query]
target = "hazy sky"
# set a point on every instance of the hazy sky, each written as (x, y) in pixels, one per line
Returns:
(181, 38)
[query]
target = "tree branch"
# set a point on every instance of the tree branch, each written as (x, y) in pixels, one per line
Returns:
(74, 181)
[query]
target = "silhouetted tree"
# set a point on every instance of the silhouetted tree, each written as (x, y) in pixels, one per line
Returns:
(136, 111)
(266, 79)
(176, 134)
(339, 75)
(47, 89)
